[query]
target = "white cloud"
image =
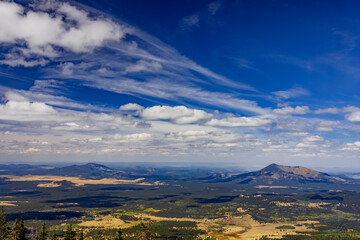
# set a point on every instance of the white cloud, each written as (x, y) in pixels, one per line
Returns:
(327, 126)
(300, 110)
(239, 122)
(292, 124)
(351, 109)
(13, 96)
(135, 137)
(214, 7)
(39, 33)
(20, 110)
(324, 129)
(325, 123)
(327, 110)
(313, 138)
(131, 107)
(353, 117)
(190, 21)
(15, 60)
(292, 93)
(177, 114)
(313, 141)
(294, 134)
(162, 89)
(144, 66)
(355, 146)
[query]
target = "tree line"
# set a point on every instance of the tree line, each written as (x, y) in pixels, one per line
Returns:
(19, 232)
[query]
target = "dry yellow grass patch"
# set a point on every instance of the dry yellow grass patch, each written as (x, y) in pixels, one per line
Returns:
(107, 222)
(75, 180)
(8, 203)
(247, 228)
(111, 222)
(49, 185)
(286, 204)
(243, 227)
(240, 210)
(317, 204)
(67, 204)
(269, 229)
(158, 219)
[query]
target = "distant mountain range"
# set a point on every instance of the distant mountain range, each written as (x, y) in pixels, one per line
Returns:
(271, 175)
(89, 170)
(98, 171)
(279, 175)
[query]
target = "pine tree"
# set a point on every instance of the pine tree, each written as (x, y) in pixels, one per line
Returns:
(81, 235)
(14, 230)
(146, 231)
(99, 235)
(43, 234)
(19, 230)
(4, 228)
(70, 234)
(54, 237)
(119, 235)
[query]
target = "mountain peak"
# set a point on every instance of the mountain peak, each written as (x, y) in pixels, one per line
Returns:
(272, 167)
(275, 174)
(95, 165)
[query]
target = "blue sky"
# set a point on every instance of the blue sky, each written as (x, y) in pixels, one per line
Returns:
(245, 82)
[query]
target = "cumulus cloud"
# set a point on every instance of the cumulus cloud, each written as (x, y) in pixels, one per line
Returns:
(239, 122)
(291, 124)
(292, 93)
(177, 114)
(35, 114)
(327, 126)
(131, 107)
(355, 146)
(18, 108)
(294, 134)
(39, 33)
(327, 110)
(324, 129)
(13, 96)
(300, 110)
(310, 142)
(135, 137)
(351, 109)
(353, 117)
(313, 138)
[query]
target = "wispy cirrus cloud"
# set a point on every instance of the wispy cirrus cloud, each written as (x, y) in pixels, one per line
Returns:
(190, 21)
(177, 77)
(193, 20)
(214, 7)
(292, 93)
